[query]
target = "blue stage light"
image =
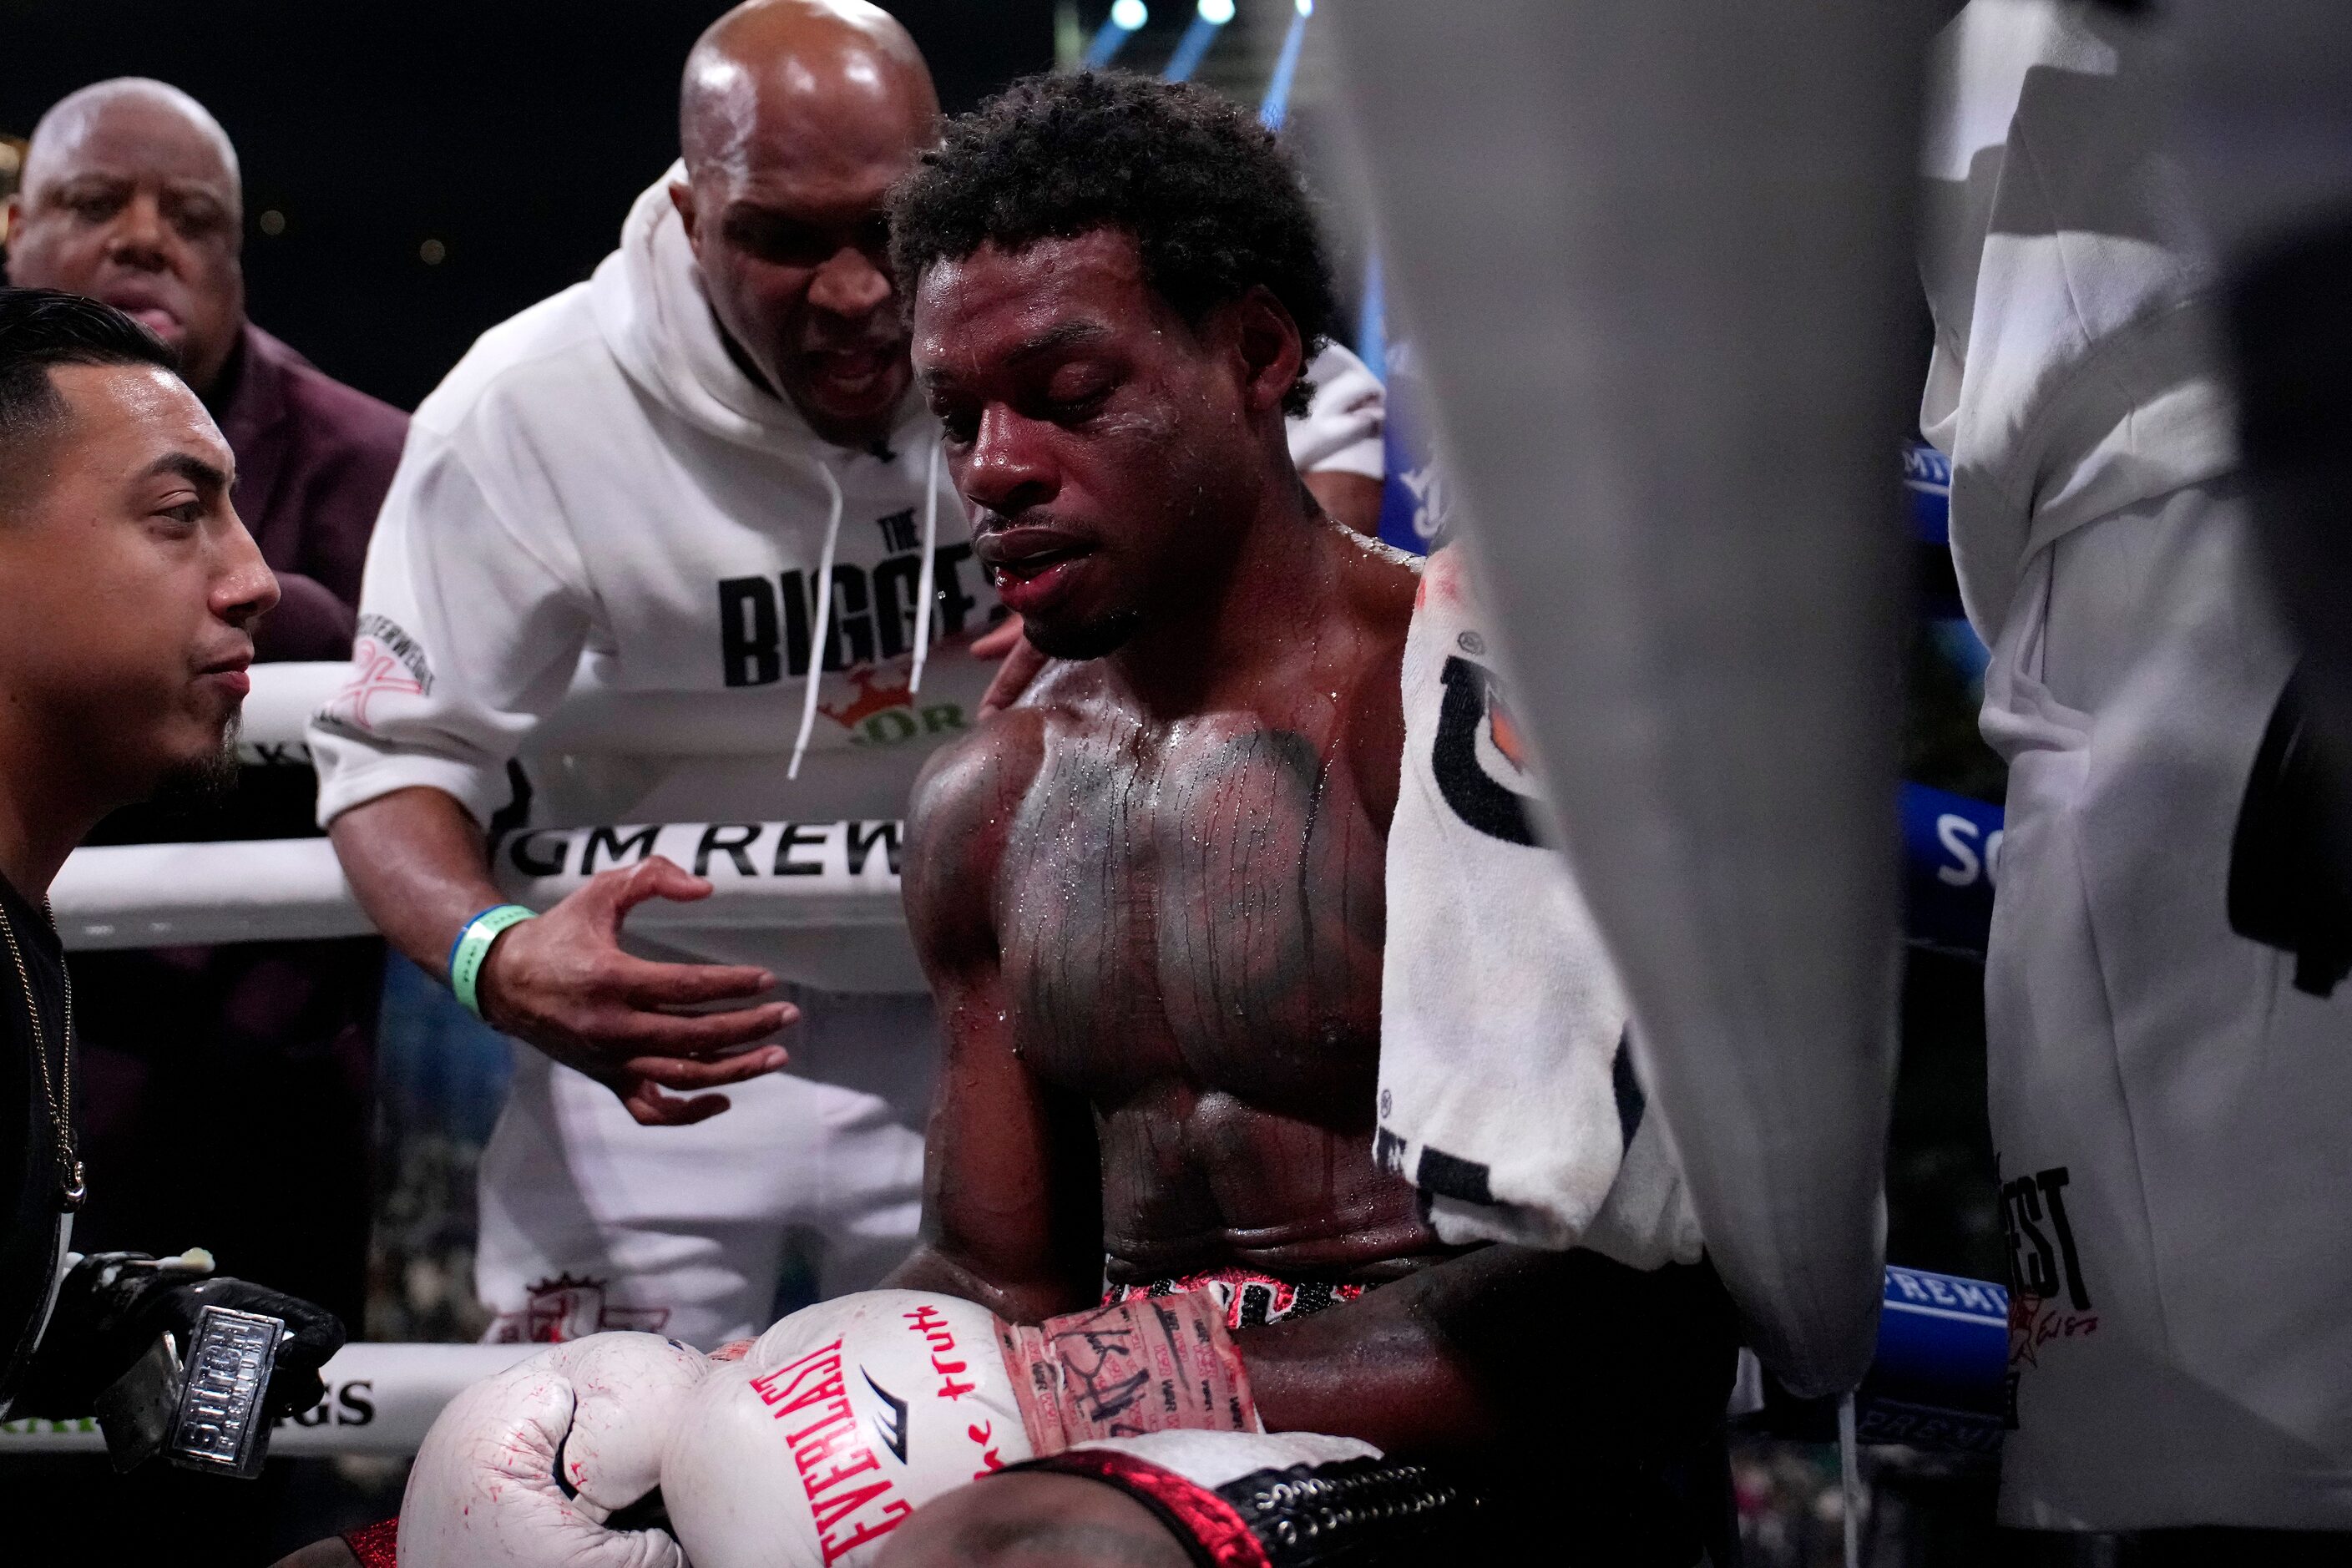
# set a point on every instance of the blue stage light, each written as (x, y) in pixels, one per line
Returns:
(1275, 106)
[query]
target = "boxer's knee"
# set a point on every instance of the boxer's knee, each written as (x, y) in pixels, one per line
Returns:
(1034, 1521)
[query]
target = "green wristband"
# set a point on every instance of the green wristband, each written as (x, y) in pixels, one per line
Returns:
(473, 945)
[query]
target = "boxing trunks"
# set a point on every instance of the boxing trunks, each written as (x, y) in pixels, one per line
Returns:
(1251, 1299)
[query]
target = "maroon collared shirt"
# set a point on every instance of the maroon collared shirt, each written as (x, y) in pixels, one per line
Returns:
(313, 460)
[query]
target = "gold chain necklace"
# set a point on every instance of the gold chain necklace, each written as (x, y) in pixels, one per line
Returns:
(57, 1087)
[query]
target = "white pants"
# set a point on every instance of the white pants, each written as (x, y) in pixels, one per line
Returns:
(807, 1186)
(2173, 1120)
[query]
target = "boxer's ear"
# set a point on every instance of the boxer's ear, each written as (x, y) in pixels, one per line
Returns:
(1268, 342)
(681, 196)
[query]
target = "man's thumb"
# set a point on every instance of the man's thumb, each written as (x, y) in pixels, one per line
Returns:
(656, 878)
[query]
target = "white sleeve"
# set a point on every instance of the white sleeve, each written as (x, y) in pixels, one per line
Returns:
(1340, 431)
(468, 633)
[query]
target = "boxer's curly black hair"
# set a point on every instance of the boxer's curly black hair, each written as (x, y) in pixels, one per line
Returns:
(1211, 198)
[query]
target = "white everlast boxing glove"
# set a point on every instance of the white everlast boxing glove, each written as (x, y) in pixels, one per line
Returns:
(845, 1418)
(527, 1468)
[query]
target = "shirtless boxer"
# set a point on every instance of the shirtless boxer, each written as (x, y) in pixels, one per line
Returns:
(1150, 896)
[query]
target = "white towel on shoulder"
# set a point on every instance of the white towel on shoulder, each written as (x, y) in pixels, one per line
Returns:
(1506, 1093)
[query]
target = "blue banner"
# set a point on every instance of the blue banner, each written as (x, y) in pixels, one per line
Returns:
(1951, 855)
(1412, 496)
(1941, 1376)
(1927, 482)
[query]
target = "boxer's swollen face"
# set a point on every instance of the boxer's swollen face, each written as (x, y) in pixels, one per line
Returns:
(793, 248)
(128, 588)
(133, 204)
(1099, 440)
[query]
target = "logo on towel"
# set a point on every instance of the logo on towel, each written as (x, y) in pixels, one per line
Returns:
(2049, 1299)
(1477, 736)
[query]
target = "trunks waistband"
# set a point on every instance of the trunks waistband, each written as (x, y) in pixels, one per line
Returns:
(1249, 1298)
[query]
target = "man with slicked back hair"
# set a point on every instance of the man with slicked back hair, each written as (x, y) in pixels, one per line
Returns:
(131, 196)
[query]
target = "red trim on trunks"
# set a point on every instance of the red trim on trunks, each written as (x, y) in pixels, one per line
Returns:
(1218, 1531)
(376, 1545)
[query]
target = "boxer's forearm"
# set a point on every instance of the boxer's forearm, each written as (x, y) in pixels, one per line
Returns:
(1506, 1349)
(1423, 1365)
(418, 864)
(1492, 1348)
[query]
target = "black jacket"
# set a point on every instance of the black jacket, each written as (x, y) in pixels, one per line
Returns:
(34, 1224)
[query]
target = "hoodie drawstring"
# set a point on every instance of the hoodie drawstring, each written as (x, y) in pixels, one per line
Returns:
(821, 623)
(928, 583)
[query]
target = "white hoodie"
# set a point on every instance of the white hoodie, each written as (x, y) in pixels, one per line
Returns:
(598, 496)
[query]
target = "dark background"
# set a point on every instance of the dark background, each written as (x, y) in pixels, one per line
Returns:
(516, 132)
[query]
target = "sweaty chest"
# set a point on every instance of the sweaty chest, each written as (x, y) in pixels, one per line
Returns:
(1205, 907)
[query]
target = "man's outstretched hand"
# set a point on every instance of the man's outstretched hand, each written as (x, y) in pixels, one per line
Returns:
(561, 982)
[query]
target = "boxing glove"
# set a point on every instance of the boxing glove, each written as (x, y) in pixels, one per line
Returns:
(533, 1468)
(846, 1417)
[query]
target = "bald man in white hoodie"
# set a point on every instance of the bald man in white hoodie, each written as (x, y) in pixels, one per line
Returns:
(630, 489)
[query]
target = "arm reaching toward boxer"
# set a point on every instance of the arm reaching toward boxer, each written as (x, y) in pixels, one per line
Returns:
(417, 862)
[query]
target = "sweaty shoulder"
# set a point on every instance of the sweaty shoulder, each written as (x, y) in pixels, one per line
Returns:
(964, 808)
(1383, 588)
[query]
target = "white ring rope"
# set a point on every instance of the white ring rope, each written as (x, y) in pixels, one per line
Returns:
(770, 876)
(381, 1399)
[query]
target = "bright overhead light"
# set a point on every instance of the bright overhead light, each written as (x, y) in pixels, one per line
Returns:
(1128, 15)
(1306, 7)
(1216, 13)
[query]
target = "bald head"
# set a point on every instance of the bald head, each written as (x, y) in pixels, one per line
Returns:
(131, 194)
(840, 73)
(138, 104)
(795, 117)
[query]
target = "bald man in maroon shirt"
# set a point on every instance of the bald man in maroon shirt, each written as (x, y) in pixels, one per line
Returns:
(131, 194)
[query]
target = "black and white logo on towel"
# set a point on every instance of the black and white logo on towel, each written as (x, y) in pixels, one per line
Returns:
(1480, 758)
